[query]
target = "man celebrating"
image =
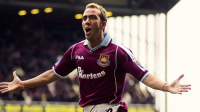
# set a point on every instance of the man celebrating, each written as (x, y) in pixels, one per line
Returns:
(102, 65)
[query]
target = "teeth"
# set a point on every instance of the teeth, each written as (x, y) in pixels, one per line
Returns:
(87, 28)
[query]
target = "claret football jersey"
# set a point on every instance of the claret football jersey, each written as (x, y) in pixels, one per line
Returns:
(101, 70)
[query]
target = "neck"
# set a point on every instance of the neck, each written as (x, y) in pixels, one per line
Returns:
(96, 41)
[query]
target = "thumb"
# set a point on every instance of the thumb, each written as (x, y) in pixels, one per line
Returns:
(14, 74)
(181, 76)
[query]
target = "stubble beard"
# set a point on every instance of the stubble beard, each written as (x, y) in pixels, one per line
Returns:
(91, 37)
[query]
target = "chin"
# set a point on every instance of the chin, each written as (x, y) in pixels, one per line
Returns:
(87, 37)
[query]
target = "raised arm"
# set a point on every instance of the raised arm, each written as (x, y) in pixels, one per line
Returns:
(175, 87)
(42, 79)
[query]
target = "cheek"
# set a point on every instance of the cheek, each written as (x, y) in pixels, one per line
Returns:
(97, 25)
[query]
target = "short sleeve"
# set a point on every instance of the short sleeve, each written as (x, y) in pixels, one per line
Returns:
(131, 65)
(65, 65)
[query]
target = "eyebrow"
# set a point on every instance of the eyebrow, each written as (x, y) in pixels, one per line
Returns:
(89, 15)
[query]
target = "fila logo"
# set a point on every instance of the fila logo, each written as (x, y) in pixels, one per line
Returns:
(79, 57)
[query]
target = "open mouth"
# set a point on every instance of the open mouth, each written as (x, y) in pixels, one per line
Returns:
(88, 30)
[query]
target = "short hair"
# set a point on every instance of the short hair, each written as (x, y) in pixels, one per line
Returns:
(103, 15)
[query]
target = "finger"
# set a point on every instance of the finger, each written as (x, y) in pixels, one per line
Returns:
(181, 76)
(14, 74)
(4, 83)
(3, 90)
(186, 85)
(3, 86)
(185, 88)
(178, 93)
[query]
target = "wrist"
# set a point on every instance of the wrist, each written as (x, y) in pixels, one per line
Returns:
(22, 85)
(165, 87)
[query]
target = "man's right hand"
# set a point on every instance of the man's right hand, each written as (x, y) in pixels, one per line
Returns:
(15, 85)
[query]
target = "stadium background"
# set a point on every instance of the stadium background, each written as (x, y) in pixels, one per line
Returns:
(32, 43)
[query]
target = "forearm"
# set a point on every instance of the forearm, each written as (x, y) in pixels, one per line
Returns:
(155, 83)
(42, 79)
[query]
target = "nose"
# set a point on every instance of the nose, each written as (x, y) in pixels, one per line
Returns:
(87, 22)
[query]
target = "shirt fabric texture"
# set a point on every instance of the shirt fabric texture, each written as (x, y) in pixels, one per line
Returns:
(101, 70)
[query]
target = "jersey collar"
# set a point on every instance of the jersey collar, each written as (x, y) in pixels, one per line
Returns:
(105, 42)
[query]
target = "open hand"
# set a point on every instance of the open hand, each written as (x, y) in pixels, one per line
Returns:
(176, 88)
(15, 85)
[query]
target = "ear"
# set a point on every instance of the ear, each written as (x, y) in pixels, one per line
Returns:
(103, 25)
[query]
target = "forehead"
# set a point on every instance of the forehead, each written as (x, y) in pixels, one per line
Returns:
(91, 11)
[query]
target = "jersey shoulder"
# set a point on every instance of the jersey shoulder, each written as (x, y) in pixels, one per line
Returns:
(123, 50)
(79, 44)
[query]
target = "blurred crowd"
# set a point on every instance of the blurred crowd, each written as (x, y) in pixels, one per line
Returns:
(31, 45)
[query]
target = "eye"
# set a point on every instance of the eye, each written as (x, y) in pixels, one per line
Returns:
(93, 17)
(84, 18)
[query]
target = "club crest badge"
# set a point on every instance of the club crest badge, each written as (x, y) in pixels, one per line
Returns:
(103, 60)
